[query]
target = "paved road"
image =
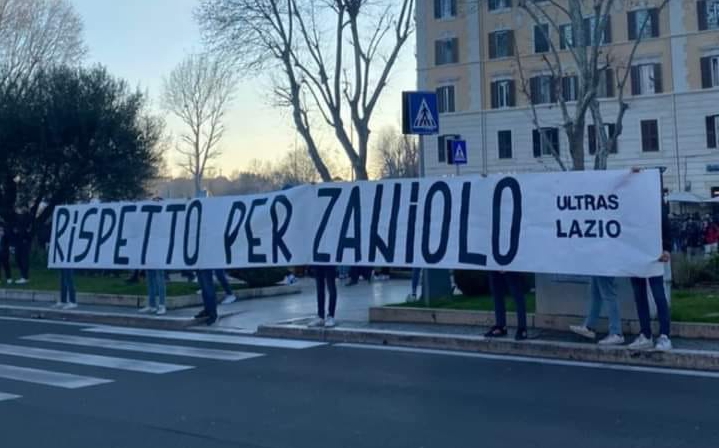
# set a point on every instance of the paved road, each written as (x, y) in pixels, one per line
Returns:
(78, 386)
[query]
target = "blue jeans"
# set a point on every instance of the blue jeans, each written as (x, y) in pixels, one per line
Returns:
(67, 286)
(603, 289)
(222, 278)
(155, 288)
(416, 274)
(639, 285)
(207, 285)
(325, 277)
(501, 282)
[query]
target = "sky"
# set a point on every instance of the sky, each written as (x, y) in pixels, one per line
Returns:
(141, 41)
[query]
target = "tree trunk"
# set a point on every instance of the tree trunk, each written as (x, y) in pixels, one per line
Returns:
(576, 146)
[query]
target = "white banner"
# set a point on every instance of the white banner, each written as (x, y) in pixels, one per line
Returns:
(590, 222)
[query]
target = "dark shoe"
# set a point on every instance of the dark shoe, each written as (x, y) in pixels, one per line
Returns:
(496, 332)
(351, 283)
(202, 314)
(211, 319)
(521, 334)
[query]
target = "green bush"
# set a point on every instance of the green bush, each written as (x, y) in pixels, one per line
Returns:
(472, 283)
(259, 277)
(688, 271)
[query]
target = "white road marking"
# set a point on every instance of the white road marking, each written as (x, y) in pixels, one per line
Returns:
(47, 321)
(546, 361)
(133, 365)
(204, 337)
(48, 378)
(4, 396)
(163, 349)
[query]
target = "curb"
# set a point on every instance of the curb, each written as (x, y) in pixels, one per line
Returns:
(676, 359)
(98, 318)
(687, 330)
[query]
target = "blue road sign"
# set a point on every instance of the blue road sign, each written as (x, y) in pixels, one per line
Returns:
(459, 152)
(420, 113)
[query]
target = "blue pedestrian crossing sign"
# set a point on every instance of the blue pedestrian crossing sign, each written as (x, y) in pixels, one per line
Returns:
(419, 113)
(459, 152)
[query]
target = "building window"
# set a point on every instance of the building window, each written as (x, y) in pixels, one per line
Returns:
(566, 37)
(545, 142)
(503, 94)
(446, 51)
(445, 99)
(495, 5)
(445, 9)
(442, 141)
(710, 72)
(636, 20)
(650, 136)
(541, 38)
(590, 25)
(712, 125)
(504, 144)
(542, 89)
(708, 14)
(646, 78)
(501, 44)
(594, 141)
(570, 87)
(605, 88)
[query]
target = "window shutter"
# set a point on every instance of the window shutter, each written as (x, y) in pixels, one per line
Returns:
(587, 32)
(706, 72)
(565, 88)
(636, 82)
(632, 25)
(553, 85)
(492, 45)
(453, 8)
(611, 131)
(609, 79)
(711, 132)
(510, 43)
(512, 94)
(534, 89)
(645, 135)
(554, 139)
(658, 84)
(441, 151)
(562, 39)
(592, 139)
(495, 95)
(455, 50)
(654, 17)
(450, 93)
(536, 143)
(607, 37)
(702, 15)
(437, 52)
(437, 9)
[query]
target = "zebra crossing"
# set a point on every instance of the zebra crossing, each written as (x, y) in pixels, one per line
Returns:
(58, 349)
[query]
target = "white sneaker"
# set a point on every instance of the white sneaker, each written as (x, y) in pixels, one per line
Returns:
(411, 298)
(161, 310)
(9, 281)
(612, 339)
(641, 343)
(330, 322)
(147, 309)
(664, 344)
(69, 306)
(316, 322)
(21, 281)
(229, 299)
(58, 305)
(581, 330)
(199, 292)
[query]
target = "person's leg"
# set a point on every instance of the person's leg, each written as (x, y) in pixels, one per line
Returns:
(222, 278)
(595, 303)
(64, 290)
(161, 287)
(516, 287)
(606, 287)
(497, 285)
(354, 275)
(72, 296)
(320, 283)
(22, 256)
(660, 299)
(331, 273)
(639, 286)
(207, 285)
(151, 289)
(416, 273)
(5, 261)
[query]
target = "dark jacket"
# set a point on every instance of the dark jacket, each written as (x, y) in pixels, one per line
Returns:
(666, 230)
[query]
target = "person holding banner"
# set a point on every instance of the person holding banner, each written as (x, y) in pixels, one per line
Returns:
(325, 277)
(499, 283)
(5, 254)
(602, 289)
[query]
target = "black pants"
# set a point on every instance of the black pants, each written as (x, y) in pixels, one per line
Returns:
(325, 277)
(356, 271)
(5, 260)
(501, 283)
(22, 258)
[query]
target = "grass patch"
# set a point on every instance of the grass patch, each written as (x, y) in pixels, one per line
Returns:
(688, 305)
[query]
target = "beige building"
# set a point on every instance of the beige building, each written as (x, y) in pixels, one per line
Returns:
(467, 52)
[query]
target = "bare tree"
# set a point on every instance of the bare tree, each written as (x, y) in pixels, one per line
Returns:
(37, 34)
(332, 60)
(397, 155)
(198, 92)
(594, 65)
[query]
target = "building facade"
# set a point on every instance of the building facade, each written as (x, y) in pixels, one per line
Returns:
(485, 59)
